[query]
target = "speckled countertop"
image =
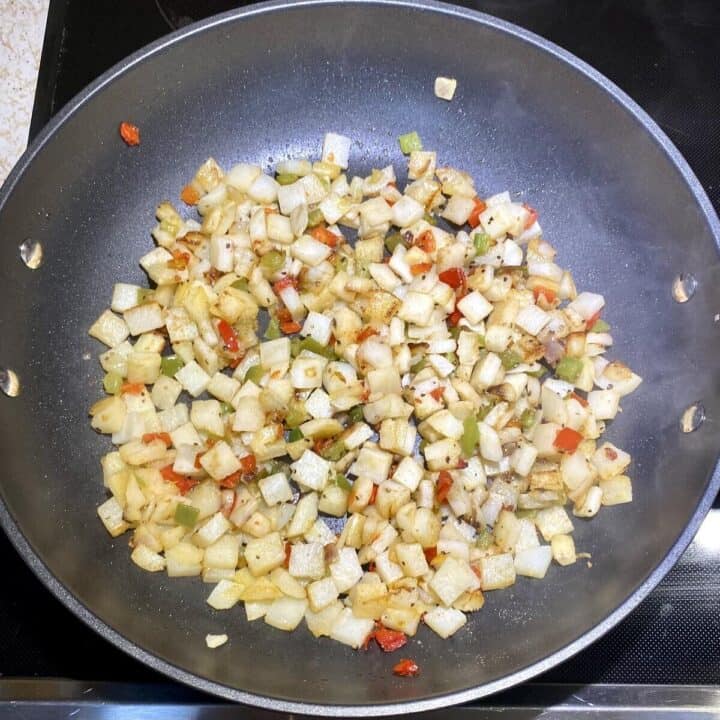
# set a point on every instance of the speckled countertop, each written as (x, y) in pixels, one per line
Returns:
(22, 28)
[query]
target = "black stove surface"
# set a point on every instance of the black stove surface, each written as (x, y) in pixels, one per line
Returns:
(665, 55)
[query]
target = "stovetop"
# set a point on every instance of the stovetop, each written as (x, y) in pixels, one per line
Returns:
(664, 54)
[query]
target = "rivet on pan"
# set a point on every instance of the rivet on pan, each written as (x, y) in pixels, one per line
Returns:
(692, 418)
(9, 383)
(31, 253)
(684, 287)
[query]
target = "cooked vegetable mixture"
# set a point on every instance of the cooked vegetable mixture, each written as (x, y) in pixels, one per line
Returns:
(361, 436)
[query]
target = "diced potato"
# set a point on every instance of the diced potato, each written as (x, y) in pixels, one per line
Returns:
(184, 560)
(205, 416)
(193, 378)
(275, 489)
(405, 620)
(553, 521)
(346, 571)
(165, 392)
(444, 621)
(223, 553)
(497, 571)
(333, 501)
(322, 593)
(305, 515)
(211, 531)
(108, 415)
(311, 470)
(265, 554)
(307, 560)
(412, 559)
(533, 562)
(109, 329)
(111, 514)
(220, 461)
(144, 318)
(453, 578)
(286, 613)
(321, 623)
(563, 549)
(610, 460)
(215, 641)
(616, 490)
(350, 630)
(225, 595)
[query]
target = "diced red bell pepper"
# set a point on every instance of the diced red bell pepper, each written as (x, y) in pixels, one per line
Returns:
(454, 277)
(130, 133)
(454, 318)
(373, 495)
(420, 268)
(132, 388)
(325, 236)
(549, 295)
(443, 486)
(288, 550)
(532, 216)
(437, 393)
(180, 260)
(478, 209)
(580, 399)
(389, 640)
(284, 283)
(231, 481)
(567, 440)
(406, 668)
(228, 335)
(365, 333)
(593, 319)
(290, 328)
(430, 553)
(190, 195)
(165, 437)
(248, 464)
(425, 241)
(183, 483)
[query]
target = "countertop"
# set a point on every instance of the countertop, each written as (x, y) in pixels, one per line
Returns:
(22, 28)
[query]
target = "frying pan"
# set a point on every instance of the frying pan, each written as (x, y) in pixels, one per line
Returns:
(265, 83)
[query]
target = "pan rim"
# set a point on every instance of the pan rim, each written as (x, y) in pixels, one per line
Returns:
(278, 704)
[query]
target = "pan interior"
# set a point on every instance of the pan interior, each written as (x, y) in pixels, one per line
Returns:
(268, 87)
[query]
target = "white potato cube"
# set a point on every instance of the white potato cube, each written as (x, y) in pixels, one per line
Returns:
(445, 89)
(533, 562)
(111, 514)
(144, 318)
(320, 624)
(165, 392)
(275, 352)
(263, 190)
(265, 554)
(563, 549)
(417, 308)
(311, 470)
(223, 387)
(220, 461)
(310, 251)
(458, 209)
(616, 490)
(279, 229)
(321, 593)
(553, 521)
(444, 621)
(124, 297)
(290, 197)
(193, 378)
(412, 559)
(318, 327)
(109, 329)
(610, 460)
(408, 473)
(286, 613)
(372, 463)
(475, 307)
(604, 404)
(407, 211)
(225, 595)
(215, 641)
(350, 630)
(307, 560)
(498, 571)
(249, 415)
(275, 489)
(336, 150)
(319, 404)
(205, 416)
(346, 571)
(453, 578)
